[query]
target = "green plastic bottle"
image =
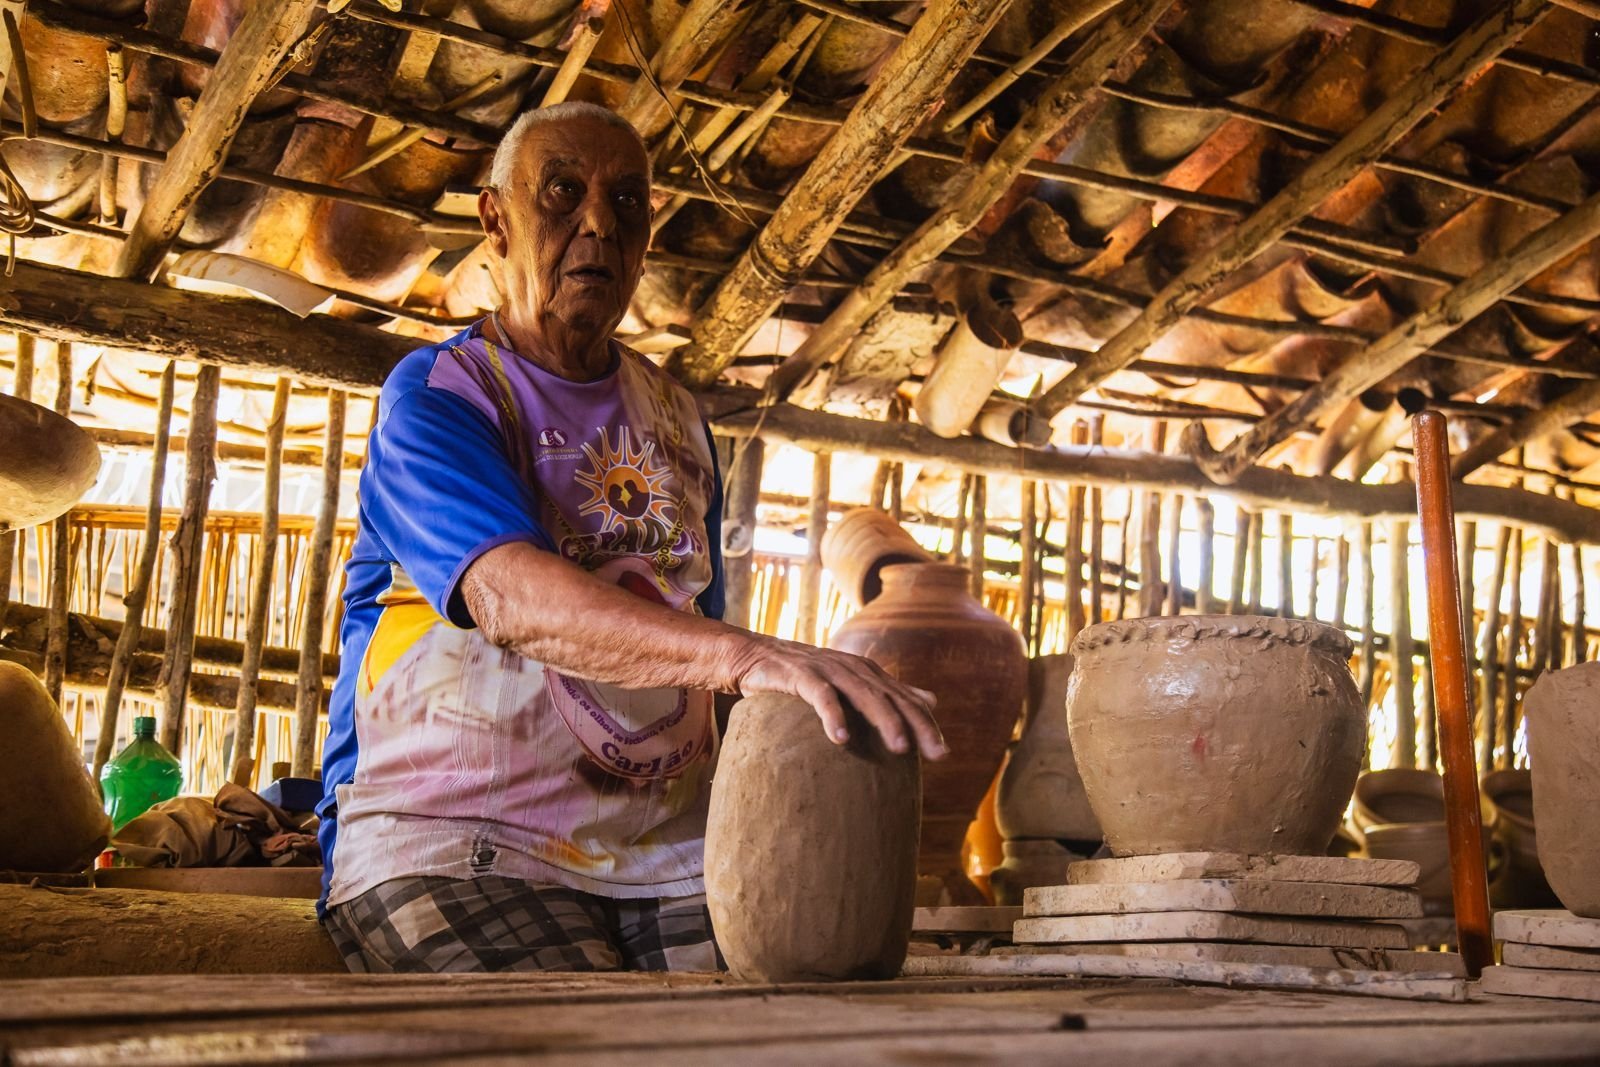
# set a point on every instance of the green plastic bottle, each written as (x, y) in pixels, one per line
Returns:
(141, 775)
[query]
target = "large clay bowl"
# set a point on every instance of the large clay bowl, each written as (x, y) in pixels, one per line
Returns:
(50, 462)
(1427, 844)
(1397, 795)
(1231, 733)
(1563, 716)
(1521, 882)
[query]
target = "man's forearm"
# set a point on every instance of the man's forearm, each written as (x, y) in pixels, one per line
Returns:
(553, 611)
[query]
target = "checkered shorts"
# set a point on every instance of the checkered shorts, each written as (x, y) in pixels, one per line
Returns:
(439, 925)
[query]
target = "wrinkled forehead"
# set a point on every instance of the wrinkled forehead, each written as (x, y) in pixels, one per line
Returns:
(584, 145)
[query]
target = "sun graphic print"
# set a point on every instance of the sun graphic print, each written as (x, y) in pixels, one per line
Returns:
(629, 488)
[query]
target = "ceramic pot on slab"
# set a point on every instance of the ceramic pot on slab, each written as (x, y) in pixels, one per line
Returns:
(927, 630)
(811, 847)
(1227, 733)
(1563, 721)
(1398, 795)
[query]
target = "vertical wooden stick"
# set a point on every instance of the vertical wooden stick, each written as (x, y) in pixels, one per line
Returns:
(1313, 609)
(1369, 636)
(138, 582)
(739, 529)
(1285, 565)
(308, 686)
(1241, 561)
(1076, 497)
(979, 558)
(1205, 596)
(880, 484)
(1097, 547)
(1489, 656)
(242, 771)
(1030, 561)
(1152, 592)
(897, 479)
(816, 526)
(1126, 535)
(1258, 558)
(1545, 607)
(1579, 652)
(1466, 567)
(1174, 542)
(1430, 719)
(958, 530)
(1509, 668)
(1401, 656)
(1468, 876)
(55, 654)
(184, 548)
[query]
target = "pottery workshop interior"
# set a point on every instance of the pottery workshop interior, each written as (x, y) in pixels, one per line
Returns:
(799, 531)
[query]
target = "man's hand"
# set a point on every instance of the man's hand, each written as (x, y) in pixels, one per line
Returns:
(827, 680)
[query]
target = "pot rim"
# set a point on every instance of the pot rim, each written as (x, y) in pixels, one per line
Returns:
(1195, 627)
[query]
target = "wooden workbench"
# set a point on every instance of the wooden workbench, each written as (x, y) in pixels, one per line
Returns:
(701, 1020)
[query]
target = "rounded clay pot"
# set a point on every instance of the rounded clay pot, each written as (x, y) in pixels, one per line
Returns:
(1227, 733)
(50, 463)
(811, 847)
(1041, 792)
(1563, 721)
(1398, 795)
(1521, 882)
(927, 630)
(50, 816)
(857, 548)
(1428, 846)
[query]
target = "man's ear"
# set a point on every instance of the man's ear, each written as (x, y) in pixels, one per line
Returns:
(494, 222)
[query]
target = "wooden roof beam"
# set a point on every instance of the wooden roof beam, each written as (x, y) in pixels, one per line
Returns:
(697, 30)
(1563, 412)
(253, 55)
(1059, 104)
(910, 85)
(1538, 251)
(1425, 90)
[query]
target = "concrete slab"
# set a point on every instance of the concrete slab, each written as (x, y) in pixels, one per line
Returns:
(1209, 926)
(1305, 899)
(1176, 866)
(1551, 926)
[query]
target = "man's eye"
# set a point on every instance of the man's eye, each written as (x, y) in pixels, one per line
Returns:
(566, 187)
(631, 201)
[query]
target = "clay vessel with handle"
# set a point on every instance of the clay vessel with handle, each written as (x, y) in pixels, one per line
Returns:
(863, 542)
(1563, 720)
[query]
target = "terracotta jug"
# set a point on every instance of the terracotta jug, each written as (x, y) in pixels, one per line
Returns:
(928, 630)
(1563, 716)
(50, 817)
(810, 847)
(860, 545)
(1229, 733)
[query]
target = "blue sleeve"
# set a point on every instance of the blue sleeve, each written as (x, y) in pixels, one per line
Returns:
(713, 599)
(440, 491)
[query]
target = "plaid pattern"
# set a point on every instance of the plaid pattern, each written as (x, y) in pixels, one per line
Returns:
(435, 925)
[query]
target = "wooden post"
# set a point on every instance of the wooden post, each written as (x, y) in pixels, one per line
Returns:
(308, 686)
(1030, 561)
(739, 527)
(1546, 627)
(1467, 541)
(1174, 539)
(1097, 547)
(1152, 592)
(880, 484)
(1341, 582)
(242, 770)
(816, 526)
(1126, 548)
(1205, 597)
(1468, 875)
(55, 656)
(200, 469)
(1580, 629)
(581, 39)
(1313, 609)
(1076, 495)
(1509, 671)
(979, 558)
(1489, 657)
(1285, 565)
(1258, 558)
(958, 526)
(1241, 561)
(136, 598)
(897, 479)
(1369, 637)
(1401, 652)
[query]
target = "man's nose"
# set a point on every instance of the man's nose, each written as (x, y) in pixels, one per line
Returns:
(599, 217)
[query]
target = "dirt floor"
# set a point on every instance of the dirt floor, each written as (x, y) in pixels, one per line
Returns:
(697, 1020)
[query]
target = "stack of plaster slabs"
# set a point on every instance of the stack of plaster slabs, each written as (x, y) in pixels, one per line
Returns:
(1550, 953)
(1212, 907)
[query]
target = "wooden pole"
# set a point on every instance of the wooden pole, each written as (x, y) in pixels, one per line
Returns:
(1313, 608)
(1467, 538)
(1205, 595)
(1580, 629)
(739, 527)
(1341, 582)
(584, 36)
(1285, 565)
(200, 468)
(1030, 561)
(1241, 561)
(1489, 656)
(308, 687)
(1076, 496)
(958, 529)
(1258, 558)
(1401, 654)
(979, 558)
(55, 657)
(1369, 636)
(242, 771)
(1124, 551)
(1174, 540)
(897, 480)
(1468, 876)
(1509, 666)
(137, 597)
(816, 526)
(1401, 109)
(1097, 546)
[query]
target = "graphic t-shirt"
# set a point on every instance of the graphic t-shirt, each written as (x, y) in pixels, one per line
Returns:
(449, 756)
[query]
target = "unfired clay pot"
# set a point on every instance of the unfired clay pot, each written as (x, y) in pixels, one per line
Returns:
(50, 462)
(811, 847)
(1563, 721)
(928, 630)
(1041, 794)
(1230, 733)
(863, 542)
(1427, 844)
(1521, 882)
(50, 817)
(1398, 795)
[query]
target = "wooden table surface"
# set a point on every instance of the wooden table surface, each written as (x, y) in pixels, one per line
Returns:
(699, 1020)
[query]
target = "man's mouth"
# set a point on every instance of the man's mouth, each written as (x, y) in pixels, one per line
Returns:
(591, 275)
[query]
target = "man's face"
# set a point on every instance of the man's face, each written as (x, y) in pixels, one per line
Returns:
(573, 227)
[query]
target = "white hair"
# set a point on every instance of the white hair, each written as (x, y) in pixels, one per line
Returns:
(509, 151)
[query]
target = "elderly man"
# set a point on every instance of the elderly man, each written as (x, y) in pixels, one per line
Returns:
(521, 738)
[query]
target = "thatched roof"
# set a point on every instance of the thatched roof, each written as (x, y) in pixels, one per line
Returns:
(1195, 211)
